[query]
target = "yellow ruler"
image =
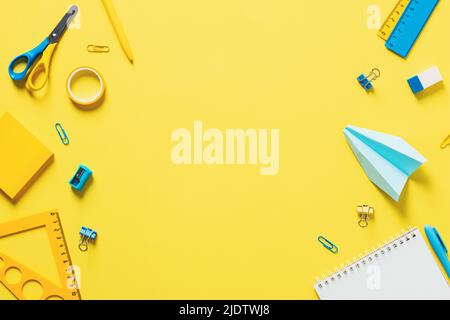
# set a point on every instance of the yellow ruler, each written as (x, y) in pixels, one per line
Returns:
(391, 21)
(67, 289)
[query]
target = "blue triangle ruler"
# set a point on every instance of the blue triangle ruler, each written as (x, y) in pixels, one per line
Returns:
(410, 25)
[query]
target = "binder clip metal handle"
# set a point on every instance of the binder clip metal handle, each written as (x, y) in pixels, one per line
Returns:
(83, 244)
(365, 213)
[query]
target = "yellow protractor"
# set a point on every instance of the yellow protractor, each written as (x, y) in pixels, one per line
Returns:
(68, 286)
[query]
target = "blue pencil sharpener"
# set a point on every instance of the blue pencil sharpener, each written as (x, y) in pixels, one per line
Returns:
(80, 178)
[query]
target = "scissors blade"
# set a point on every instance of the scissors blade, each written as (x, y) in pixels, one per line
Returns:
(58, 32)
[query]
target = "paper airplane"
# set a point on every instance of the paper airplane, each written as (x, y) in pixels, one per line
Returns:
(387, 160)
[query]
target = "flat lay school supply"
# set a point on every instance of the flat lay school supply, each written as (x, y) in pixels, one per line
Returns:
(38, 72)
(409, 26)
(392, 19)
(402, 269)
(330, 246)
(445, 143)
(118, 28)
(97, 49)
(94, 97)
(87, 235)
(439, 247)
(81, 177)
(365, 213)
(425, 80)
(387, 160)
(366, 81)
(62, 134)
(68, 287)
(23, 157)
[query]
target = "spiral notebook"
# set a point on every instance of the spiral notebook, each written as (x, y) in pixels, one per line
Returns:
(402, 269)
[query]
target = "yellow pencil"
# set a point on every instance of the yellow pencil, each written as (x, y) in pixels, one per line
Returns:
(118, 28)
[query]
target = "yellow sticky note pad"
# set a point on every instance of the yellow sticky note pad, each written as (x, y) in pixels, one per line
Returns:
(23, 157)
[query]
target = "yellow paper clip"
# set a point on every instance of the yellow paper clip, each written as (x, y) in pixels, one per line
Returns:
(97, 49)
(446, 142)
(328, 244)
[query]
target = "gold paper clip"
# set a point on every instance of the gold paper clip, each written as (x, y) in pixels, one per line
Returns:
(97, 49)
(446, 142)
(365, 213)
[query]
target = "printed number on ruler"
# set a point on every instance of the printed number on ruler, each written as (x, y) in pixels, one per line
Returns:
(392, 19)
(73, 278)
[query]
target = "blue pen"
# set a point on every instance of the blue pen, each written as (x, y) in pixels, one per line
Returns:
(438, 246)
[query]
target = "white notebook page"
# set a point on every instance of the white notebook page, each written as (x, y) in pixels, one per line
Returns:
(402, 269)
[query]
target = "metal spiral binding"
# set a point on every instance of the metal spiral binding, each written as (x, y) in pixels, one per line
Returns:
(372, 255)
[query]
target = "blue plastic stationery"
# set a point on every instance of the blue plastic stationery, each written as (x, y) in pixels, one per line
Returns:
(87, 235)
(410, 25)
(438, 246)
(367, 81)
(80, 178)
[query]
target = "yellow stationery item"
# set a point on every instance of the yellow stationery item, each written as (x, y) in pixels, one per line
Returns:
(389, 25)
(97, 49)
(446, 142)
(118, 28)
(67, 289)
(81, 98)
(23, 157)
(365, 213)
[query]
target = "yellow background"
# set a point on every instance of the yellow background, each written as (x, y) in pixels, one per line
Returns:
(199, 232)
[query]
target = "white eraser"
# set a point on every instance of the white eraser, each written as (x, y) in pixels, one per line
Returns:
(430, 77)
(425, 79)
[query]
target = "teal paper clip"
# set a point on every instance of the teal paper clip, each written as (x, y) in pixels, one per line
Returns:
(62, 134)
(328, 244)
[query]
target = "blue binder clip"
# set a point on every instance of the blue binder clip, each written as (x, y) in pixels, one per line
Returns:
(366, 81)
(87, 235)
(80, 178)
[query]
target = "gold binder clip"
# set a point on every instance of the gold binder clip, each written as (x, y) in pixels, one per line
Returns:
(365, 213)
(446, 142)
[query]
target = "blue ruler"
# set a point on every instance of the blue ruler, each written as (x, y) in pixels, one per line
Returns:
(410, 25)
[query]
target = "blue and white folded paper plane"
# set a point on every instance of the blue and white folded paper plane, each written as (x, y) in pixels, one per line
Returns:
(387, 160)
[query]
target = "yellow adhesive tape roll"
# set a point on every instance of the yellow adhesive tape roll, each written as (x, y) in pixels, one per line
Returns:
(77, 75)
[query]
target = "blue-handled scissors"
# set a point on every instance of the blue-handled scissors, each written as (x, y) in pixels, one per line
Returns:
(45, 50)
